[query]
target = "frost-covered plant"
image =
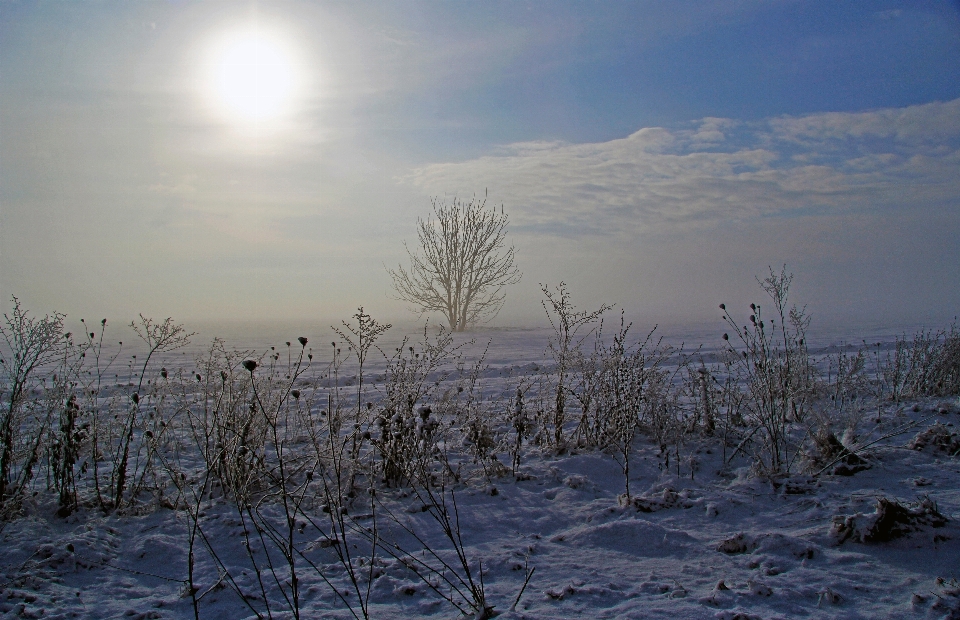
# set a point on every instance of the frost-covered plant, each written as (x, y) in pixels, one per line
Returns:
(624, 389)
(926, 365)
(290, 476)
(159, 337)
(929, 365)
(520, 424)
(565, 348)
(405, 433)
(457, 580)
(66, 422)
(405, 441)
(840, 403)
(95, 404)
(699, 388)
(361, 339)
(476, 418)
(245, 417)
(774, 365)
(31, 344)
(729, 400)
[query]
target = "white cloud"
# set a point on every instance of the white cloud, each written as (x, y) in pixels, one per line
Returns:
(930, 123)
(659, 178)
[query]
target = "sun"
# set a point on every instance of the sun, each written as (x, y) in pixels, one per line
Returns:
(252, 76)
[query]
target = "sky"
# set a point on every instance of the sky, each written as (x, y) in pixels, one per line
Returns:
(654, 155)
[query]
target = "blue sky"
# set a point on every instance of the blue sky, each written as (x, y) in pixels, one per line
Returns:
(656, 155)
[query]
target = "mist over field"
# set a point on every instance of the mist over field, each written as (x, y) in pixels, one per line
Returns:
(648, 156)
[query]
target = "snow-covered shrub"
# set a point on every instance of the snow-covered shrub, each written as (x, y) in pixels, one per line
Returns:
(948, 597)
(405, 441)
(889, 520)
(829, 453)
(937, 438)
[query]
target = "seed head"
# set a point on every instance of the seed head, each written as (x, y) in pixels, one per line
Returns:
(250, 365)
(135, 398)
(723, 306)
(726, 336)
(302, 341)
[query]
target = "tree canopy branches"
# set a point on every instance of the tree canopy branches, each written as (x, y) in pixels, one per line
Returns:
(463, 264)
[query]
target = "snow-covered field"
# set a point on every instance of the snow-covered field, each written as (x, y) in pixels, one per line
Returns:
(697, 540)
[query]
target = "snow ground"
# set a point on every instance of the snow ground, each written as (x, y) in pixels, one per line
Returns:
(592, 556)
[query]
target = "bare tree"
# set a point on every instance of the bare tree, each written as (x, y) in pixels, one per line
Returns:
(463, 265)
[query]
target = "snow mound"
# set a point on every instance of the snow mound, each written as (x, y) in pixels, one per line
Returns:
(667, 498)
(632, 536)
(735, 614)
(768, 543)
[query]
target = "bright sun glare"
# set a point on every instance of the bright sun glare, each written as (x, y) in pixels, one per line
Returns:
(252, 76)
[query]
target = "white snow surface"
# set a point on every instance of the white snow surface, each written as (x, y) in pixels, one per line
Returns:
(593, 557)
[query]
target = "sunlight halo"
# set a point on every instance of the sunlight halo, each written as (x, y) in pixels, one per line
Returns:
(252, 76)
